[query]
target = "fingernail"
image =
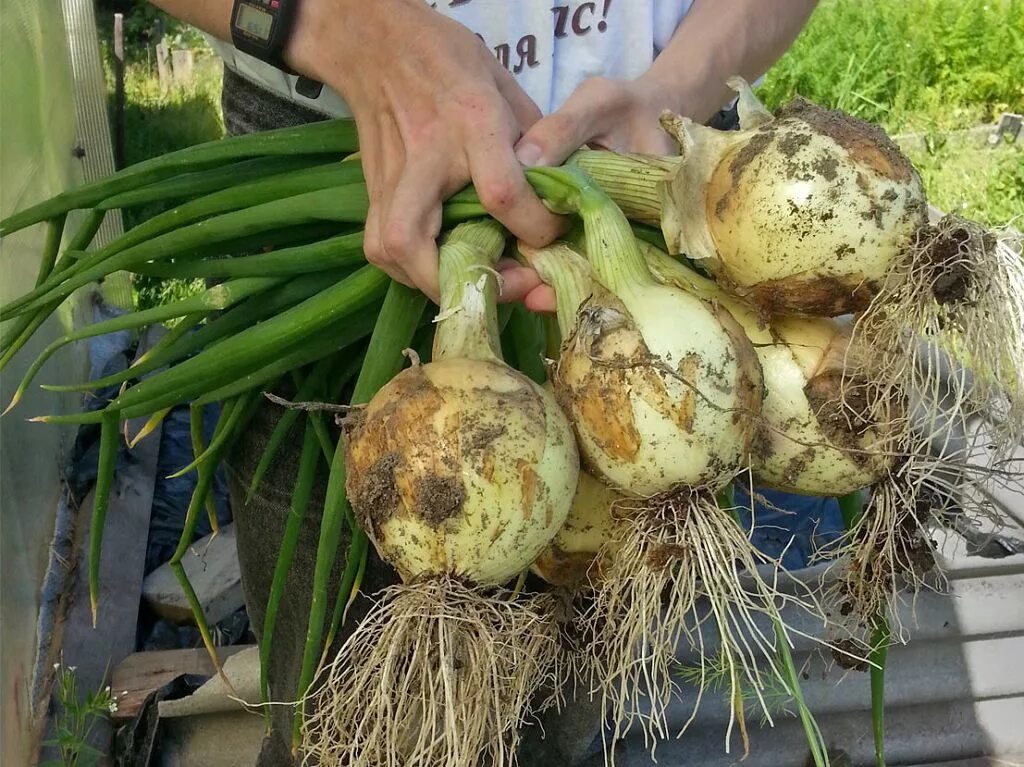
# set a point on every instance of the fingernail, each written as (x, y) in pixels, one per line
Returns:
(528, 154)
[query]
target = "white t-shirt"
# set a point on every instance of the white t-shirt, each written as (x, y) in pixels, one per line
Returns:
(550, 46)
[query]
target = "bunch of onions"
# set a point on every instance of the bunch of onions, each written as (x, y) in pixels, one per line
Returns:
(461, 471)
(664, 392)
(820, 439)
(813, 212)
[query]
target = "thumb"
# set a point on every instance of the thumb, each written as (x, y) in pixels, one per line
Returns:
(553, 138)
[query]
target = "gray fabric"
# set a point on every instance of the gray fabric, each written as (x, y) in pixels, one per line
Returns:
(260, 525)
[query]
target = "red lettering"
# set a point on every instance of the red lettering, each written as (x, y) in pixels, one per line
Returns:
(527, 50)
(577, 18)
(561, 19)
(502, 52)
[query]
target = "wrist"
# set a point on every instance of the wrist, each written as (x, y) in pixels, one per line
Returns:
(314, 38)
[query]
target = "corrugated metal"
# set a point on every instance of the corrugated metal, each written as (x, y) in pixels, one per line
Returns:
(954, 691)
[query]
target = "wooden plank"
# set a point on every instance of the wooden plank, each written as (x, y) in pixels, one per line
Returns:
(181, 66)
(142, 673)
(211, 565)
(95, 651)
(163, 65)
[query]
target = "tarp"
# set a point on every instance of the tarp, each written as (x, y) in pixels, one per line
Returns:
(38, 135)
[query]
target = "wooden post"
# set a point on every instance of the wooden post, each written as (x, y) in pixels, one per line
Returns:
(163, 65)
(181, 62)
(118, 91)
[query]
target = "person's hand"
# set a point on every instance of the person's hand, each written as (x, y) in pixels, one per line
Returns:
(434, 110)
(612, 114)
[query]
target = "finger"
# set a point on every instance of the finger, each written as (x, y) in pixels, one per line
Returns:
(504, 191)
(413, 223)
(516, 281)
(523, 107)
(583, 117)
(541, 299)
(389, 156)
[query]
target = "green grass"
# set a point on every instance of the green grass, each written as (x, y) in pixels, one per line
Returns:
(159, 121)
(929, 67)
(979, 183)
(908, 64)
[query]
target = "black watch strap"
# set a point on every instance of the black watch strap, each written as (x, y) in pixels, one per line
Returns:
(262, 28)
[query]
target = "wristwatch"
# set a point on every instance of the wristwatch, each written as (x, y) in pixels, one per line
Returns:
(261, 28)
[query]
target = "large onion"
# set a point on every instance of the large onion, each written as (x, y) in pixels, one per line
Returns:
(803, 212)
(574, 556)
(461, 471)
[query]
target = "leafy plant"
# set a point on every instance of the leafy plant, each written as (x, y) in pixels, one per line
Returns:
(76, 718)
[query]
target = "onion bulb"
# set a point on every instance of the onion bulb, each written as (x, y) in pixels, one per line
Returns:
(664, 393)
(461, 471)
(810, 444)
(819, 438)
(803, 212)
(574, 556)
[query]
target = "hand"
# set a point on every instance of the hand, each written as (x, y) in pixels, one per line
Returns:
(434, 111)
(612, 114)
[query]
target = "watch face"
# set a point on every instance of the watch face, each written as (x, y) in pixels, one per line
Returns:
(254, 21)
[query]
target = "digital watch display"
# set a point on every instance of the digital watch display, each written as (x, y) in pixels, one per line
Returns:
(261, 28)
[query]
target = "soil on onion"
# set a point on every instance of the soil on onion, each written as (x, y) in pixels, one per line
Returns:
(848, 655)
(438, 499)
(375, 494)
(866, 143)
(746, 155)
(945, 250)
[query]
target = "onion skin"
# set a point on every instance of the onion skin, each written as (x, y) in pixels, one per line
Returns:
(572, 557)
(813, 447)
(461, 467)
(801, 213)
(808, 443)
(661, 388)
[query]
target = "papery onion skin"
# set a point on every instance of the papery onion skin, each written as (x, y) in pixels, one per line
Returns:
(814, 446)
(661, 388)
(571, 559)
(801, 213)
(461, 467)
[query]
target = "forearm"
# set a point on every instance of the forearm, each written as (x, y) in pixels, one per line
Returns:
(211, 16)
(304, 53)
(721, 38)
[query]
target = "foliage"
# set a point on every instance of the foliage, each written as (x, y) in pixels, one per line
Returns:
(76, 719)
(143, 22)
(901, 62)
(976, 182)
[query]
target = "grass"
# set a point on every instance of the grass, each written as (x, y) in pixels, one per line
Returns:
(76, 717)
(157, 121)
(930, 67)
(908, 64)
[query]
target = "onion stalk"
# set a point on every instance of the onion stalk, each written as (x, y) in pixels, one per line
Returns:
(460, 471)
